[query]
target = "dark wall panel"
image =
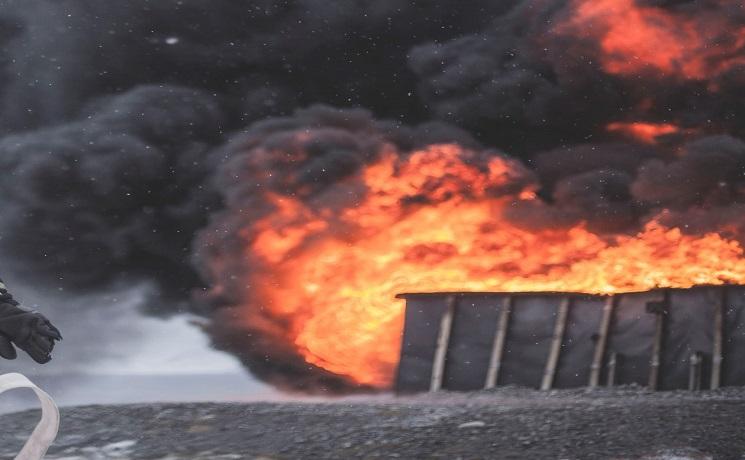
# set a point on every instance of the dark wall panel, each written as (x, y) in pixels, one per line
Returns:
(421, 328)
(471, 340)
(578, 347)
(631, 337)
(528, 340)
(733, 364)
(689, 328)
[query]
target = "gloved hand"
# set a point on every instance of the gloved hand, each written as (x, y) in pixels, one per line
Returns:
(28, 330)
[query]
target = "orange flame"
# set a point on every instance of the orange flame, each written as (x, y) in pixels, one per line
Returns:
(433, 222)
(638, 39)
(644, 132)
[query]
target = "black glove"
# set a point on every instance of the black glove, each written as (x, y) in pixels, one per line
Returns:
(28, 330)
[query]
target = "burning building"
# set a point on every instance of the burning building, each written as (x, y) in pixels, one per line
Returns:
(436, 219)
(288, 189)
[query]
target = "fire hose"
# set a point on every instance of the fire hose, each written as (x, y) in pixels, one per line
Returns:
(46, 430)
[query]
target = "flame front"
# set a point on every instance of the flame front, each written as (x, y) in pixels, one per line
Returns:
(433, 221)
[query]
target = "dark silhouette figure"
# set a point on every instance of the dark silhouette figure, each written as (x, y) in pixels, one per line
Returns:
(26, 329)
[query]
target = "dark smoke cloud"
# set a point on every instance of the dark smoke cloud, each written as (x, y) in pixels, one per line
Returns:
(118, 192)
(708, 171)
(601, 199)
(9, 29)
(511, 84)
(529, 81)
(700, 191)
(698, 186)
(585, 183)
(269, 56)
(556, 164)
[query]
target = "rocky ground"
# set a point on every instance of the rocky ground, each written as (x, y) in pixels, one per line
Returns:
(507, 423)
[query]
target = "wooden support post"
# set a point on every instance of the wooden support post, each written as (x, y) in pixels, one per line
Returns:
(558, 338)
(497, 351)
(694, 371)
(717, 352)
(659, 310)
(612, 366)
(443, 340)
(600, 345)
(654, 366)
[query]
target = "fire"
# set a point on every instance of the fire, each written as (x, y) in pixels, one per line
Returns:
(644, 132)
(432, 221)
(638, 39)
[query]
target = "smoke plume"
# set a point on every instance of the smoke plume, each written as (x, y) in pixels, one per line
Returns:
(118, 192)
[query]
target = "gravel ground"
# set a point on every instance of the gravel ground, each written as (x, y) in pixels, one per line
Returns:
(508, 423)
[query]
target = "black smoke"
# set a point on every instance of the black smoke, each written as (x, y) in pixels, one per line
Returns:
(268, 56)
(532, 80)
(119, 192)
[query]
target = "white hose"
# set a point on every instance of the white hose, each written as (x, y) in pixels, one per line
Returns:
(46, 430)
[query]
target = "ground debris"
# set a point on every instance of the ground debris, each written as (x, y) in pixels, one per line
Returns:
(506, 423)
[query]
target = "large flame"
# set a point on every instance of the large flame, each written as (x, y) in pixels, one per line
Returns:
(432, 221)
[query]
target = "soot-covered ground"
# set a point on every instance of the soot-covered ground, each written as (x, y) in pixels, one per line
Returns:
(508, 423)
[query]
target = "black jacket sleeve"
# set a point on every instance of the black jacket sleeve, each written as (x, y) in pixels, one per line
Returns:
(5, 296)
(28, 330)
